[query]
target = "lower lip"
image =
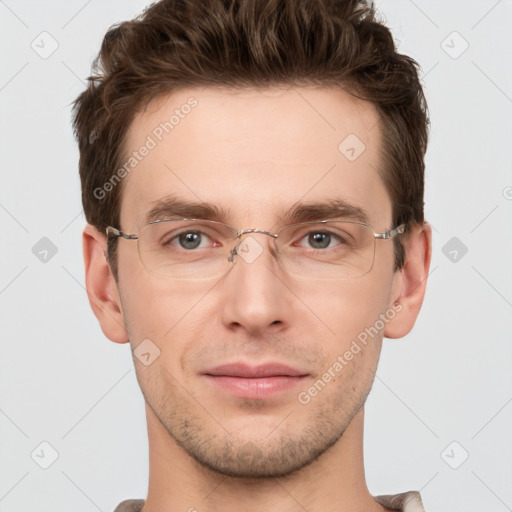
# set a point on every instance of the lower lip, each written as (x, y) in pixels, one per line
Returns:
(264, 387)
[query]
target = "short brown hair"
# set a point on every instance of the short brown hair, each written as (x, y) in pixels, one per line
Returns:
(177, 44)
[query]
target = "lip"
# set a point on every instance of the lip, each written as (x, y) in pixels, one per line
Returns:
(252, 372)
(256, 382)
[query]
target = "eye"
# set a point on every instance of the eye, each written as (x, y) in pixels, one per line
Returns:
(322, 239)
(186, 236)
(188, 239)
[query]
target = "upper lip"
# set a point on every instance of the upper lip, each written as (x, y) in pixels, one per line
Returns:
(247, 371)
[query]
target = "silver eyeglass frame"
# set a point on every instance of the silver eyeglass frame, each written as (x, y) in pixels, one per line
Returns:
(114, 233)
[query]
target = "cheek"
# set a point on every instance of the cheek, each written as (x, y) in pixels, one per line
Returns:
(346, 309)
(169, 313)
(353, 353)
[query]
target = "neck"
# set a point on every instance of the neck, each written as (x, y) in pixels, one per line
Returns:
(334, 482)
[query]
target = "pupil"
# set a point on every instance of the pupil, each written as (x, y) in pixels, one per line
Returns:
(190, 240)
(320, 240)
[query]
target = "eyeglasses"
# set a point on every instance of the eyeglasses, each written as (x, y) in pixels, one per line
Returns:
(196, 249)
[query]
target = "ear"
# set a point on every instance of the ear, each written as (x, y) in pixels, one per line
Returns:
(101, 286)
(410, 282)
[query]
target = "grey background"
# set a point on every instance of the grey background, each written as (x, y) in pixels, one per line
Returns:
(442, 393)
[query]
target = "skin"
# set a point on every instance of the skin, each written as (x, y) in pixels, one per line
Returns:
(254, 153)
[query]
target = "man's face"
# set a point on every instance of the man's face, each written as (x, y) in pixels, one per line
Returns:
(255, 154)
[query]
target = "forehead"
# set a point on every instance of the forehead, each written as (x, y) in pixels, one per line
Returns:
(255, 152)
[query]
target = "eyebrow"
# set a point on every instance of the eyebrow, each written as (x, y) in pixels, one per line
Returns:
(175, 207)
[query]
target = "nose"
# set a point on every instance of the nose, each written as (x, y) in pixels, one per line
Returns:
(255, 296)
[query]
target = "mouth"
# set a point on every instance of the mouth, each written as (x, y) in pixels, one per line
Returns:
(256, 382)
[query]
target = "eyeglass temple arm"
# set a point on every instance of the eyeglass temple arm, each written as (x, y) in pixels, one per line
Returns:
(116, 233)
(391, 233)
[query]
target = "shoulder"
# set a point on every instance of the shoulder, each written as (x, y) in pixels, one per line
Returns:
(409, 501)
(130, 506)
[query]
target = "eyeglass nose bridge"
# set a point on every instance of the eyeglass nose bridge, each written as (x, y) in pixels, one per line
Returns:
(239, 234)
(244, 231)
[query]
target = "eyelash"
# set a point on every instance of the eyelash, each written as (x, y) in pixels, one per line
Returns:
(176, 236)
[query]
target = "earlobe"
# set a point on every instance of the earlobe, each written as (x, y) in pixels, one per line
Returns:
(411, 281)
(101, 286)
